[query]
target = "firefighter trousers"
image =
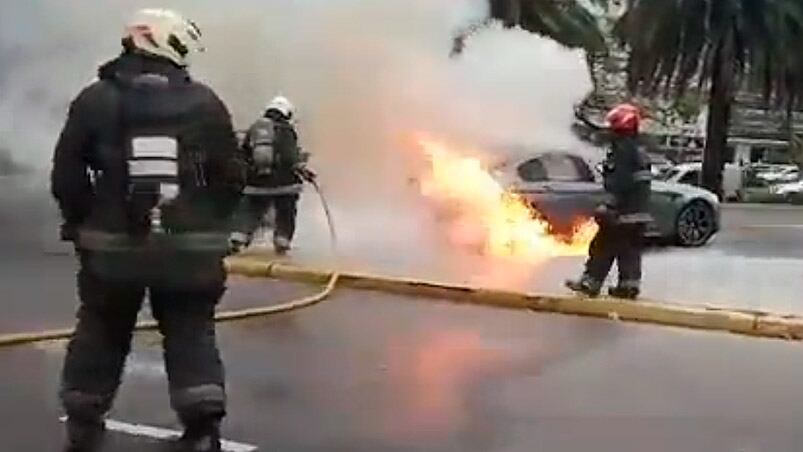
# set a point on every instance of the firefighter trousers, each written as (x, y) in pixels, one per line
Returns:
(111, 292)
(254, 208)
(621, 243)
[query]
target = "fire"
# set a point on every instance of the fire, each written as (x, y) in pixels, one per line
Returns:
(482, 210)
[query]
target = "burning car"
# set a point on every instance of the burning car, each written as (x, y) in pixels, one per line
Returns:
(541, 206)
(563, 187)
(477, 212)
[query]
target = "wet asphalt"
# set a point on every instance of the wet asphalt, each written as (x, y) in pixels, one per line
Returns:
(369, 371)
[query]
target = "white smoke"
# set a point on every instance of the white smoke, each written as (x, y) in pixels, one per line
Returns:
(365, 75)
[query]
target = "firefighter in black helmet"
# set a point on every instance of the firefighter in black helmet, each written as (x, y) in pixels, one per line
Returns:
(147, 173)
(622, 220)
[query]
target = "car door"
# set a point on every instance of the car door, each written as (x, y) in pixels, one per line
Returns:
(562, 187)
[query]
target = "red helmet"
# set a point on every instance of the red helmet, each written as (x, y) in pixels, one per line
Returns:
(624, 119)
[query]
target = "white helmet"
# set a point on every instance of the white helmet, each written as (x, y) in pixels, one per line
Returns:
(164, 33)
(282, 105)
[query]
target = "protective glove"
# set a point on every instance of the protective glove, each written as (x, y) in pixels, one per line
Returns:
(68, 232)
(306, 174)
(605, 214)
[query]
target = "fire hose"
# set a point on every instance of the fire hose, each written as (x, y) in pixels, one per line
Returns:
(9, 340)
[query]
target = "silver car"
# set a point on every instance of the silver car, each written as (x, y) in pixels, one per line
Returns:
(564, 188)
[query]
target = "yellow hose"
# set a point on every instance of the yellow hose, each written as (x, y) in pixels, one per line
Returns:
(741, 322)
(262, 269)
(9, 340)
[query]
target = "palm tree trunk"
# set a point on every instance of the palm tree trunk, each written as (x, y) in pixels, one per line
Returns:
(592, 72)
(789, 119)
(795, 143)
(719, 114)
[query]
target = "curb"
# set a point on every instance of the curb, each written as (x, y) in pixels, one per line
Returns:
(742, 322)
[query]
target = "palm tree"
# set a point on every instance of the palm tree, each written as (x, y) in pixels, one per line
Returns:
(565, 21)
(715, 43)
(780, 71)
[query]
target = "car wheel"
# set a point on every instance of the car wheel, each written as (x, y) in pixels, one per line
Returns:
(695, 224)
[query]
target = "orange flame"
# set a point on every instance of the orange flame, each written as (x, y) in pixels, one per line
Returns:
(483, 211)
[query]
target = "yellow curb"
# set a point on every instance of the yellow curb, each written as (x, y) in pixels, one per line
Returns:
(749, 323)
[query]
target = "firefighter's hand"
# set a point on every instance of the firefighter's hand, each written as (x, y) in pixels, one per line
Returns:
(68, 233)
(306, 174)
(604, 214)
(578, 112)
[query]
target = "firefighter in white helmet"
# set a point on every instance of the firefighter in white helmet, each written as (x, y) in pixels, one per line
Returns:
(277, 169)
(147, 169)
(163, 33)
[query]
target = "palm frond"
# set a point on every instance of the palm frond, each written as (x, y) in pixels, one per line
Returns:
(567, 22)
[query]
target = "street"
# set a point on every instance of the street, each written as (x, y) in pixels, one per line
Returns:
(367, 371)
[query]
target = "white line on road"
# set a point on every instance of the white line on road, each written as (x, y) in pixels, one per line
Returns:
(164, 434)
(739, 206)
(773, 226)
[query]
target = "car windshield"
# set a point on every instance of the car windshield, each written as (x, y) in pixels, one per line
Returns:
(691, 178)
(668, 175)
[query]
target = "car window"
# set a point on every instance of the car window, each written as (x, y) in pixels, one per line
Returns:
(669, 174)
(561, 168)
(691, 178)
(532, 171)
(556, 168)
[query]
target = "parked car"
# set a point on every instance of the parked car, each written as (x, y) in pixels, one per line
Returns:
(659, 164)
(779, 174)
(691, 174)
(564, 187)
(791, 192)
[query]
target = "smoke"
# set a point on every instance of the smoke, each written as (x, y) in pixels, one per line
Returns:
(366, 76)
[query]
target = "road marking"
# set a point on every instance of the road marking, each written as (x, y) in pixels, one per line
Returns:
(773, 226)
(159, 433)
(769, 207)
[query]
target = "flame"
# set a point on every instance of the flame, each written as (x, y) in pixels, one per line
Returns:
(481, 210)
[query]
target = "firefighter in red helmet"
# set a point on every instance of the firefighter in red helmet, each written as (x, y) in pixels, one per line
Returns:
(623, 217)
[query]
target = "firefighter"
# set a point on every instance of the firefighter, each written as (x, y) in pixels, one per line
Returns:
(147, 173)
(276, 172)
(623, 218)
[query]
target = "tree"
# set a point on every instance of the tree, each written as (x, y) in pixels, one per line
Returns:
(565, 21)
(780, 71)
(796, 148)
(715, 43)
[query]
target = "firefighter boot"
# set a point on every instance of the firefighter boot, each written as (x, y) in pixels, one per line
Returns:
(84, 435)
(201, 437)
(586, 285)
(624, 292)
(238, 242)
(281, 245)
